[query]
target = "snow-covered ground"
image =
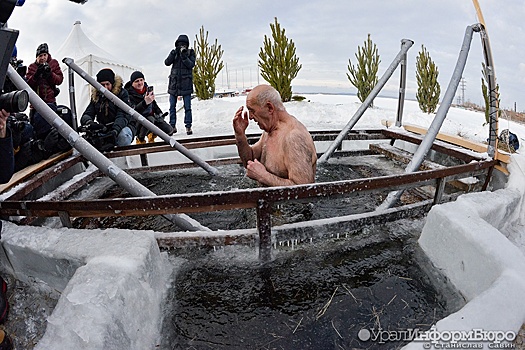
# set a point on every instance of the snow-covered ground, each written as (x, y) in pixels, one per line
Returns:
(99, 280)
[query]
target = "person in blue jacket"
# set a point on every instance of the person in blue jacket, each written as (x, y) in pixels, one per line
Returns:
(182, 60)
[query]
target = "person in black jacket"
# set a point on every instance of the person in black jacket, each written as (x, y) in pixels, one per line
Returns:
(7, 157)
(142, 99)
(182, 61)
(111, 123)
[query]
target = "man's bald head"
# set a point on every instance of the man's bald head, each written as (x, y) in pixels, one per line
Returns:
(266, 93)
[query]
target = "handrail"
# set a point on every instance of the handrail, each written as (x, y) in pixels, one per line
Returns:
(406, 44)
(140, 118)
(245, 198)
(441, 114)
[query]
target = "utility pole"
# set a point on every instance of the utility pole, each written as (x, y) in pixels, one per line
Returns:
(463, 87)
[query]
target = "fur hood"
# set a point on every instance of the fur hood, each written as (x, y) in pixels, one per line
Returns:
(116, 89)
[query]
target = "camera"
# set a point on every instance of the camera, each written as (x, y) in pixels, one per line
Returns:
(15, 124)
(14, 101)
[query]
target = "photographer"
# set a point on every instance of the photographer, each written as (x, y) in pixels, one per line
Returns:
(182, 61)
(7, 158)
(43, 76)
(142, 99)
(106, 125)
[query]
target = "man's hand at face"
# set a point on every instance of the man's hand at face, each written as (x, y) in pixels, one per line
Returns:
(240, 121)
(256, 170)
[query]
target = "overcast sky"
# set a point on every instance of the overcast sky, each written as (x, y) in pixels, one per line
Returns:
(326, 34)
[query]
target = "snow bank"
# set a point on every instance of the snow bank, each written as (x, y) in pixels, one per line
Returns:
(467, 240)
(112, 284)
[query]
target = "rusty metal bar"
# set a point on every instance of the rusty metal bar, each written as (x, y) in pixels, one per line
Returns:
(437, 146)
(211, 201)
(440, 189)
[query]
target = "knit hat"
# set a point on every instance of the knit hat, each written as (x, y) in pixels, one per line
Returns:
(42, 48)
(136, 75)
(106, 74)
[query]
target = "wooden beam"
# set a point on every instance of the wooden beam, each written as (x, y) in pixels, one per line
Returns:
(29, 171)
(459, 141)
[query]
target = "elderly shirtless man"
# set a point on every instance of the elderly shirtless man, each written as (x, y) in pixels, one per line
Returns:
(285, 154)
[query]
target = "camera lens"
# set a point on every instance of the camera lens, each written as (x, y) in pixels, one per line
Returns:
(15, 101)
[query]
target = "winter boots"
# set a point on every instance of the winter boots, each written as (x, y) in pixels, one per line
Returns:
(151, 137)
(139, 141)
(189, 131)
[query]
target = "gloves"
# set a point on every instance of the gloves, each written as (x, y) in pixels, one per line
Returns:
(39, 70)
(51, 141)
(114, 134)
(46, 71)
(94, 126)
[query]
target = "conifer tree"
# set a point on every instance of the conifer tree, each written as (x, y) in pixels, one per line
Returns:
(485, 91)
(207, 66)
(278, 62)
(364, 75)
(428, 88)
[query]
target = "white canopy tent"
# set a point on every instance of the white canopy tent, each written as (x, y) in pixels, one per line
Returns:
(91, 58)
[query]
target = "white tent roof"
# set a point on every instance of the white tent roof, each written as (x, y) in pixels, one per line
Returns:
(91, 58)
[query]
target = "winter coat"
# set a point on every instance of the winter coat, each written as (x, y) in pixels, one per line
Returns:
(7, 158)
(181, 74)
(137, 102)
(46, 87)
(103, 111)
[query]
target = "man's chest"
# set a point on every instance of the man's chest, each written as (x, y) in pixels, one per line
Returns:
(273, 157)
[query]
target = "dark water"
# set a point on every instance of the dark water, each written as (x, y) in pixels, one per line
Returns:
(317, 296)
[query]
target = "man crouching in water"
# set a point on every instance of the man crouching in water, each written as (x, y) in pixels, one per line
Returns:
(285, 154)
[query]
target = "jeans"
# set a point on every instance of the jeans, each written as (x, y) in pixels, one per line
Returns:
(187, 110)
(125, 136)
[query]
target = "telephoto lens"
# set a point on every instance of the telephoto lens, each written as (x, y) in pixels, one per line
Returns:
(15, 101)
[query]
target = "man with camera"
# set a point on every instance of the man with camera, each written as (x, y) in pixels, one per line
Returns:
(43, 76)
(182, 61)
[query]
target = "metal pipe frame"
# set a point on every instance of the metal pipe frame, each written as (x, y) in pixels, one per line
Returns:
(441, 114)
(140, 118)
(93, 155)
(406, 44)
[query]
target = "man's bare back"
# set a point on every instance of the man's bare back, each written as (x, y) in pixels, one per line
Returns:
(285, 154)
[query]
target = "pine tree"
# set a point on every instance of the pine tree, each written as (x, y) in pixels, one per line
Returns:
(428, 88)
(207, 66)
(485, 91)
(278, 62)
(364, 75)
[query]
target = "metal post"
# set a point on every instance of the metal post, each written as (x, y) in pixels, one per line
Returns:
(139, 118)
(402, 88)
(441, 114)
(493, 94)
(405, 45)
(94, 156)
(72, 102)
(264, 227)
